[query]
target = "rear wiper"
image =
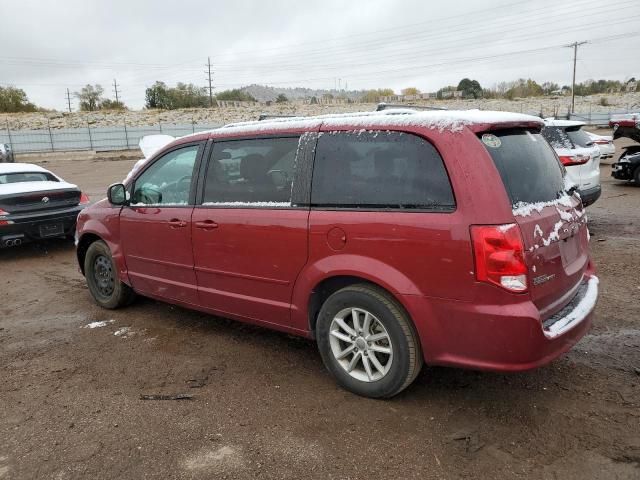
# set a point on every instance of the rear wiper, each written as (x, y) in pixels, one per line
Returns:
(572, 189)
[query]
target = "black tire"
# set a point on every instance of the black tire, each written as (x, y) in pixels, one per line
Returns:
(102, 278)
(407, 355)
(636, 176)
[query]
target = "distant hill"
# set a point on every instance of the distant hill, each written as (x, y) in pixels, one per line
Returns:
(263, 93)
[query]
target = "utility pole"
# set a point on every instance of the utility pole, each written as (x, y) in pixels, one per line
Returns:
(115, 89)
(575, 46)
(69, 100)
(208, 72)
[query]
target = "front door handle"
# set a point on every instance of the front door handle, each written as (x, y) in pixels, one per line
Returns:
(177, 223)
(206, 225)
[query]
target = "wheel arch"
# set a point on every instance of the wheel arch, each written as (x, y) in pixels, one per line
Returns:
(83, 245)
(331, 284)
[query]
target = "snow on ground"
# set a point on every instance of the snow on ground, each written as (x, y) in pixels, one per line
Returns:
(102, 323)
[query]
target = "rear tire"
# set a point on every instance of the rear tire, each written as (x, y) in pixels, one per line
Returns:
(102, 278)
(636, 176)
(368, 342)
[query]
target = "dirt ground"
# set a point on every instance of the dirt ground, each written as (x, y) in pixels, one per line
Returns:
(263, 405)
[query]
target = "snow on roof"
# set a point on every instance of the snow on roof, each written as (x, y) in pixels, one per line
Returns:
(441, 120)
(20, 167)
(552, 122)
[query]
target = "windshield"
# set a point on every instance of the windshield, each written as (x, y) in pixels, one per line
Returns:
(527, 164)
(579, 137)
(17, 177)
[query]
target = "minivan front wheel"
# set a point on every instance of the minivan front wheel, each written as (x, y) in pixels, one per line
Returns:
(102, 278)
(368, 342)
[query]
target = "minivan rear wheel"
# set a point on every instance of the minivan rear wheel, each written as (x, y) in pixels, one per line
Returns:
(102, 278)
(367, 341)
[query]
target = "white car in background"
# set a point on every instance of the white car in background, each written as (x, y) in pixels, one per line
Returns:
(604, 143)
(578, 153)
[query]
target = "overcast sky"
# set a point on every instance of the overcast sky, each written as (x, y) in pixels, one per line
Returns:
(46, 46)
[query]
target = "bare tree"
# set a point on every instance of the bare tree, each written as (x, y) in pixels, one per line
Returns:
(90, 97)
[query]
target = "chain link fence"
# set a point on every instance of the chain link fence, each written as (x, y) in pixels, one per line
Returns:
(121, 137)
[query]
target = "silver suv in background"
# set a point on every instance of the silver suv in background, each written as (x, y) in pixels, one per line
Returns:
(579, 155)
(6, 154)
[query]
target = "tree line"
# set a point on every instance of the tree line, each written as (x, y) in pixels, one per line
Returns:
(187, 95)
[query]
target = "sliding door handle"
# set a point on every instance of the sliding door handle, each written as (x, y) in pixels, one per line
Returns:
(177, 223)
(206, 225)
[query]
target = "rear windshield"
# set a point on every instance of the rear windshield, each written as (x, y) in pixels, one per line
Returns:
(557, 137)
(26, 177)
(579, 137)
(527, 164)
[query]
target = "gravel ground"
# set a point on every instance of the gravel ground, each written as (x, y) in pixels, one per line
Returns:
(263, 405)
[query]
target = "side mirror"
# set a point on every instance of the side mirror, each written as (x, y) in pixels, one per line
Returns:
(117, 194)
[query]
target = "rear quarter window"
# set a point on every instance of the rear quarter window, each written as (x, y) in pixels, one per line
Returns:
(379, 170)
(527, 165)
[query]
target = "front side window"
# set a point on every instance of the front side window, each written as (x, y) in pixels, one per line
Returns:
(379, 170)
(252, 173)
(168, 181)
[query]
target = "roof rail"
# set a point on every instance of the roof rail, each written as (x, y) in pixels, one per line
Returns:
(268, 116)
(385, 106)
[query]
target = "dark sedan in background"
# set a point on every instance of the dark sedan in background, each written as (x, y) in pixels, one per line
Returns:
(35, 204)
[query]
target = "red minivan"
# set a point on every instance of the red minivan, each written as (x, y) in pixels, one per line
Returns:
(393, 238)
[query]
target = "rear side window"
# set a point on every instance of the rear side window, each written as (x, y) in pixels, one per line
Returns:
(374, 169)
(527, 164)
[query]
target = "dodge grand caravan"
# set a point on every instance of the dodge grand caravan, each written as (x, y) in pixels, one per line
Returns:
(391, 238)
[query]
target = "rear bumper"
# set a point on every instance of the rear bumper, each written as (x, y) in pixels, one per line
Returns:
(27, 227)
(590, 195)
(499, 338)
(622, 171)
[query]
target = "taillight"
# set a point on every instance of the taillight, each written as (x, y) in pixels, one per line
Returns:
(602, 142)
(84, 199)
(499, 256)
(3, 219)
(569, 160)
